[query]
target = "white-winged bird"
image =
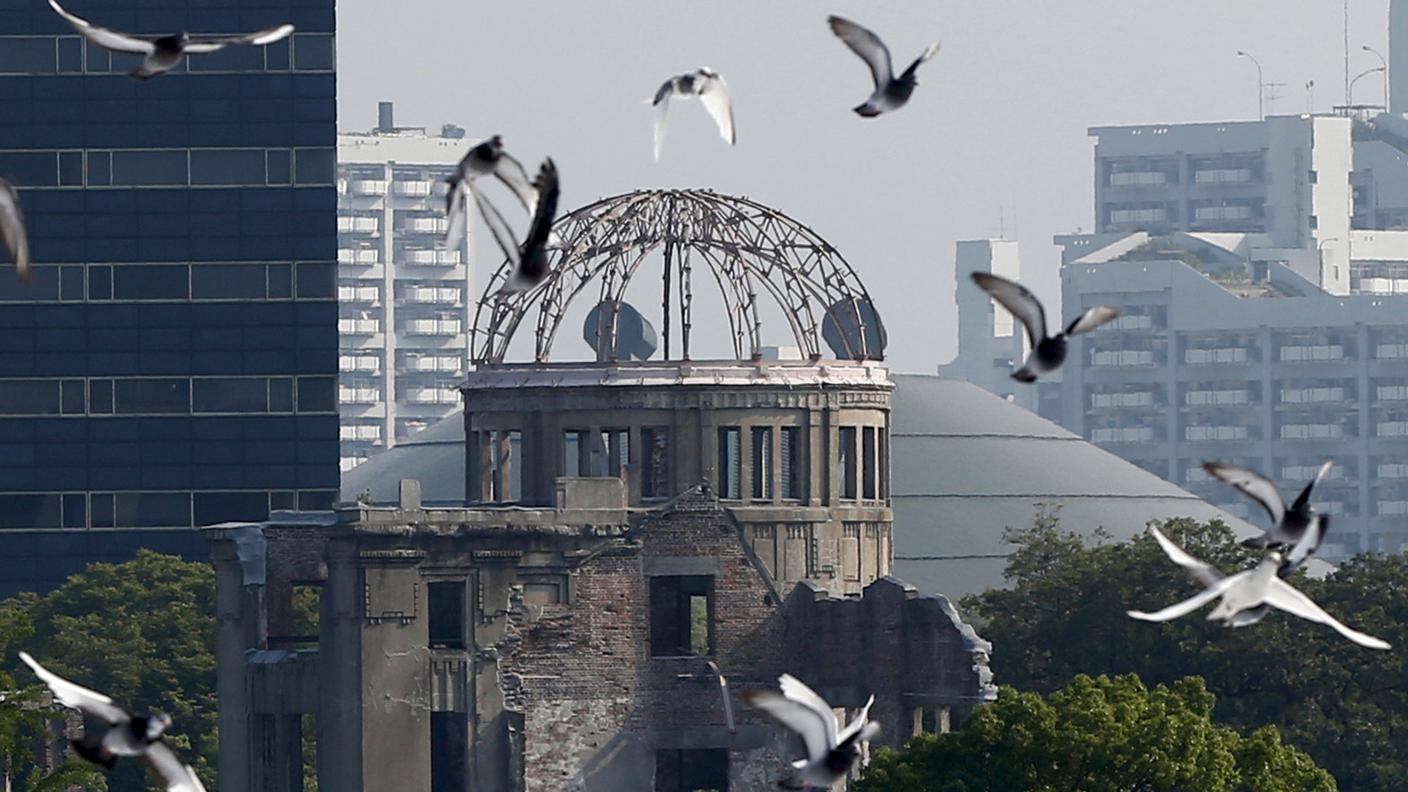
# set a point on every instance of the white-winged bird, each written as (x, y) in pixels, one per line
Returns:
(486, 158)
(12, 231)
(713, 94)
(830, 753)
(163, 53)
(128, 734)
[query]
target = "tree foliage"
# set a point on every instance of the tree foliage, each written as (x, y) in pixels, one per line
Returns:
(144, 633)
(1346, 706)
(1097, 735)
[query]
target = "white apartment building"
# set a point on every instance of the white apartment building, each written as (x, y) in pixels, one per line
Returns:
(404, 299)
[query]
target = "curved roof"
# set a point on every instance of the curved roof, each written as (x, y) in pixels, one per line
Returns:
(967, 464)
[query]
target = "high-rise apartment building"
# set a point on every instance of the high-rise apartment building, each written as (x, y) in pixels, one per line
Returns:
(173, 361)
(404, 316)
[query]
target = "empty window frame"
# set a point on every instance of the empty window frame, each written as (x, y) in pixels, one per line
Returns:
(870, 466)
(446, 606)
(615, 448)
(575, 457)
(655, 462)
(449, 746)
(847, 461)
(692, 770)
(762, 462)
(681, 615)
(730, 462)
(793, 463)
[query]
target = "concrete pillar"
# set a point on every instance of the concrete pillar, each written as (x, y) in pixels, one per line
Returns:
(278, 757)
(339, 672)
(239, 627)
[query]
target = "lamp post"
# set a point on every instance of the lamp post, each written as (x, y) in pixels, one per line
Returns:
(1364, 73)
(1260, 107)
(1384, 63)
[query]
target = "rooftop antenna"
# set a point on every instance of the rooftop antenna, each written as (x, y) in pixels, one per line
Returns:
(1001, 223)
(1310, 97)
(1273, 93)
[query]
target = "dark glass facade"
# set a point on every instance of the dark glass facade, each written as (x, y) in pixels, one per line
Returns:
(173, 361)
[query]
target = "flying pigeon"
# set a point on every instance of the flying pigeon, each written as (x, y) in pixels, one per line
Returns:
(830, 754)
(485, 158)
(127, 735)
(530, 261)
(12, 228)
(712, 92)
(891, 92)
(723, 691)
(163, 53)
(1298, 527)
(1245, 591)
(1048, 352)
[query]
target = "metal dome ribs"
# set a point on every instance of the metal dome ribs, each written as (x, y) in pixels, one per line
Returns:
(746, 247)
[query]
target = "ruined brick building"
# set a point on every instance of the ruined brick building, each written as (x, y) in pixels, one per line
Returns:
(627, 519)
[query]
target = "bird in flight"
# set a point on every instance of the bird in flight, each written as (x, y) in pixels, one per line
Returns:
(486, 158)
(1048, 352)
(163, 53)
(891, 92)
(128, 734)
(12, 231)
(530, 260)
(1243, 593)
(713, 94)
(723, 691)
(830, 753)
(1299, 527)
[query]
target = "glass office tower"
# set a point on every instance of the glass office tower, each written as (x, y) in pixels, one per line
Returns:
(173, 361)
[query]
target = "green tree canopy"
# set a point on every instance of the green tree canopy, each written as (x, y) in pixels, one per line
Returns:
(144, 633)
(1097, 735)
(1344, 705)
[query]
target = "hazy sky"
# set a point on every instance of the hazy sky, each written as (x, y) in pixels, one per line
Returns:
(995, 129)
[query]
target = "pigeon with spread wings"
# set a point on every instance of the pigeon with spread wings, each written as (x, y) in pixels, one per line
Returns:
(128, 734)
(1298, 526)
(530, 260)
(12, 231)
(163, 53)
(830, 753)
(486, 158)
(1048, 352)
(713, 94)
(1244, 592)
(891, 92)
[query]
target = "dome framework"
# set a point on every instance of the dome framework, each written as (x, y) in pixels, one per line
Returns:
(747, 250)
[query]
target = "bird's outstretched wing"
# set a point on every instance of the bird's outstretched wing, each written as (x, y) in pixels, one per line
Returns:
(12, 231)
(176, 777)
(867, 45)
(1201, 571)
(510, 171)
(457, 213)
(1306, 545)
(807, 722)
(923, 58)
(1192, 603)
(1304, 497)
(1018, 300)
(720, 107)
(257, 38)
(547, 188)
(89, 702)
(723, 691)
(104, 37)
(1093, 318)
(858, 724)
(503, 235)
(1282, 595)
(1252, 484)
(662, 113)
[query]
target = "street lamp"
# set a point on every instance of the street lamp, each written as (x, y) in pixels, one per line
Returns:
(1364, 73)
(1383, 62)
(1260, 111)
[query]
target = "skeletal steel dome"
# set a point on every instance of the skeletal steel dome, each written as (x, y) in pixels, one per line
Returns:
(744, 246)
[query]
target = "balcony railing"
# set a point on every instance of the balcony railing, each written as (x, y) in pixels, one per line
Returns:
(368, 364)
(413, 189)
(357, 225)
(358, 395)
(432, 294)
(358, 294)
(364, 256)
(433, 327)
(432, 257)
(433, 396)
(359, 432)
(427, 225)
(358, 326)
(369, 187)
